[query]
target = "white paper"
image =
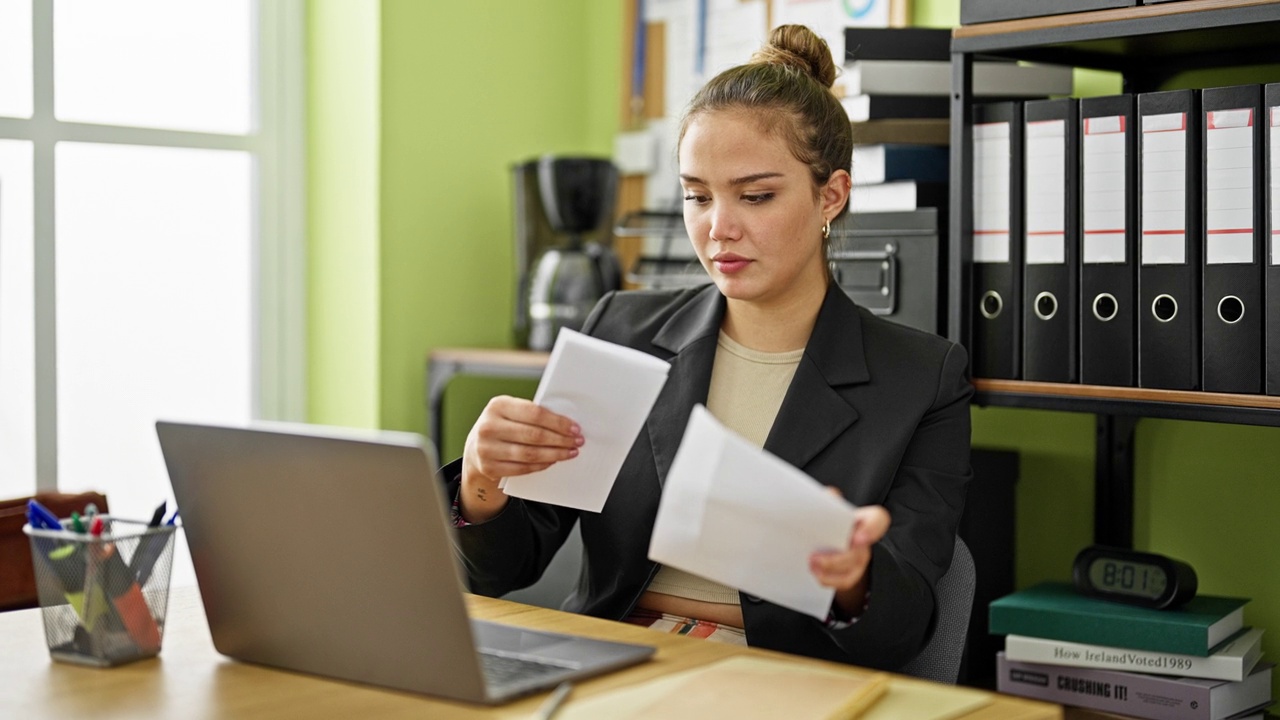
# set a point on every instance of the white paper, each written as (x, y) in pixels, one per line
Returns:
(608, 390)
(680, 81)
(825, 18)
(991, 181)
(1103, 189)
(1275, 184)
(1046, 192)
(735, 514)
(1164, 164)
(1228, 187)
(735, 30)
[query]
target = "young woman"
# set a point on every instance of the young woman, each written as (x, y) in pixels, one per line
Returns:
(778, 353)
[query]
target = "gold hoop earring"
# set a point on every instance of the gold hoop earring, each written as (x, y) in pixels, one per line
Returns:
(826, 230)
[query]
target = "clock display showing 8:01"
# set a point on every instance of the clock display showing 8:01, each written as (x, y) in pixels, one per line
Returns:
(1136, 578)
(1132, 578)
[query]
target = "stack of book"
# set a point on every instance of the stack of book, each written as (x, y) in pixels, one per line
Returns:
(1195, 662)
(893, 74)
(891, 177)
(896, 88)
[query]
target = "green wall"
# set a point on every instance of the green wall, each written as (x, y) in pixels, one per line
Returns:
(342, 205)
(467, 89)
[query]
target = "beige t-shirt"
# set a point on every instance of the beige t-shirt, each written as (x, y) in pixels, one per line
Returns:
(747, 388)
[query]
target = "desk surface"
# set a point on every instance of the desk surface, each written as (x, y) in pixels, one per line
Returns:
(190, 679)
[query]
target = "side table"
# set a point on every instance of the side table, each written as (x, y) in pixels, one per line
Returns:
(444, 363)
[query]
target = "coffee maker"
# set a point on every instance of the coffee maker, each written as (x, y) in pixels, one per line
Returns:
(564, 262)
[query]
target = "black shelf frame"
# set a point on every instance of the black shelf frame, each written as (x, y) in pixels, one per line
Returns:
(1147, 45)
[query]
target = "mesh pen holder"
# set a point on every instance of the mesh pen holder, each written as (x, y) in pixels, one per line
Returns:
(103, 597)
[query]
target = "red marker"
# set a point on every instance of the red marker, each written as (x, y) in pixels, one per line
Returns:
(127, 598)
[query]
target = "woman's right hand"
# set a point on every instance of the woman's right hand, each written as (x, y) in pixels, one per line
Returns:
(512, 437)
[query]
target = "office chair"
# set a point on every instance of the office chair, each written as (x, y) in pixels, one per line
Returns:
(560, 578)
(17, 572)
(941, 657)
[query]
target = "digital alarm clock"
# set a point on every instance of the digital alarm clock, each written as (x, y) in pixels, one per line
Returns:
(1133, 577)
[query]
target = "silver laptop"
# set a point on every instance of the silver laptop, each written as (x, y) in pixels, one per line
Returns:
(329, 551)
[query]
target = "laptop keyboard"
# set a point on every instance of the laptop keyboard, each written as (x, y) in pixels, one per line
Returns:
(501, 670)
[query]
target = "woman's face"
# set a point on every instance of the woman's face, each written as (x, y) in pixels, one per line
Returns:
(752, 211)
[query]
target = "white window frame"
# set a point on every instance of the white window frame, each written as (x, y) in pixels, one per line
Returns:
(277, 145)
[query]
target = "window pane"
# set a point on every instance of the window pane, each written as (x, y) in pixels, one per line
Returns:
(17, 322)
(155, 310)
(155, 63)
(15, 58)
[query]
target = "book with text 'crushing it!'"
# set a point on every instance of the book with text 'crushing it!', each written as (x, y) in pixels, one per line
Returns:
(1057, 611)
(1136, 695)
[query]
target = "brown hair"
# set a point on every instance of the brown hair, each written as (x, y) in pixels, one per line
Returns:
(787, 86)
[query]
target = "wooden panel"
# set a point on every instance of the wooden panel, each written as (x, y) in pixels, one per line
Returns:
(1106, 392)
(630, 199)
(655, 72)
(1050, 22)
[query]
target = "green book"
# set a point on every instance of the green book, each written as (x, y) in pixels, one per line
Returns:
(1056, 611)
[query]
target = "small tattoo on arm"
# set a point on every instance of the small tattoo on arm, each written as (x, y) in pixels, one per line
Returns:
(480, 493)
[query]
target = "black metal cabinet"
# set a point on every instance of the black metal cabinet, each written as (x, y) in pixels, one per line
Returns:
(1147, 45)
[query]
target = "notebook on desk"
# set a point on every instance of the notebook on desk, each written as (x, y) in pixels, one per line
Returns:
(328, 551)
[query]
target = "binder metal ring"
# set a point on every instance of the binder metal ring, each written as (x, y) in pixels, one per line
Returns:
(991, 304)
(1050, 304)
(1105, 307)
(1230, 309)
(1164, 305)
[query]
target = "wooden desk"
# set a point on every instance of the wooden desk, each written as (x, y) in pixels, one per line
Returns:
(191, 680)
(444, 363)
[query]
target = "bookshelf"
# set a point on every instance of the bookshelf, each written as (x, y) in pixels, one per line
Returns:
(1147, 45)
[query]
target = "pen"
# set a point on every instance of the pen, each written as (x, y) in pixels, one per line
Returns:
(157, 515)
(150, 547)
(552, 704)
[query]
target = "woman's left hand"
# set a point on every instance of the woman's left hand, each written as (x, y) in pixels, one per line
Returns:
(846, 570)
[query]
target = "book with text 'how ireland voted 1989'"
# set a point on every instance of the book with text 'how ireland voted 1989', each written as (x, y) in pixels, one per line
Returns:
(1234, 660)
(1135, 694)
(1055, 610)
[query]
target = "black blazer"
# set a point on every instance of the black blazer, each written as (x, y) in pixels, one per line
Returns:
(877, 409)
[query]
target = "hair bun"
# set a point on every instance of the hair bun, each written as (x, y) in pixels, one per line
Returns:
(801, 48)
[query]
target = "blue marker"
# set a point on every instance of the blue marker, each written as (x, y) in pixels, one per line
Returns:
(40, 516)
